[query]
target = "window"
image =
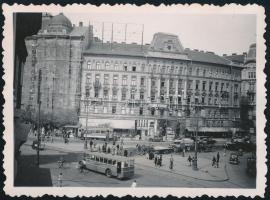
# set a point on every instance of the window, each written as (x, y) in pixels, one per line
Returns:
(116, 67)
(171, 83)
(96, 93)
(152, 112)
(88, 78)
(106, 93)
(106, 79)
(124, 95)
(109, 161)
(134, 68)
(115, 79)
(162, 83)
(203, 100)
(89, 65)
(222, 87)
(163, 69)
(114, 94)
(153, 82)
(125, 67)
(141, 111)
(197, 84)
(113, 109)
(143, 67)
(87, 91)
(153, 95)
(107, 65)
(204, 72)
(216, 86)
(124, 80)
(141, 95)
(179, 100)
(123, 110)
(105, 109)
(98, 65)
(132, 94)
(209, 100)
(210, 86)
(190, 84)
(97, 78)
(133, 81)
(142, 81)
(235, 87)
(190, 71)
(197, 72)
(203, 85)
(180, 70)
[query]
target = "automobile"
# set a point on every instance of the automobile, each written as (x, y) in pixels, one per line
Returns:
(234, 158)
(35, 145)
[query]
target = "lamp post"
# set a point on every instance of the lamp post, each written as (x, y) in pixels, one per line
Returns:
(195, 161)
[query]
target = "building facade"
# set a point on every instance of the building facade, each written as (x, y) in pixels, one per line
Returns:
(248, 90)
(57, 51)
(135, 89)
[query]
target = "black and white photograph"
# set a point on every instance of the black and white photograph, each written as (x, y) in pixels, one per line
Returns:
(136, 97)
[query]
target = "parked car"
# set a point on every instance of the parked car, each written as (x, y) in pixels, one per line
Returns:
(35, 145)
(234, 158)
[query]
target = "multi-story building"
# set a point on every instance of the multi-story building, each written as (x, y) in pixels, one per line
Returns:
(130, 87)
(57, 51)
(128, 84)
(248, 89)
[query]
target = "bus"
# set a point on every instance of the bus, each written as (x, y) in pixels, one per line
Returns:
(98, 133)
(111, 165)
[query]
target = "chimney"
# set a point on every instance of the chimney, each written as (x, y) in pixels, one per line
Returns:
(224, 55)
(234, 54)
(80, 24)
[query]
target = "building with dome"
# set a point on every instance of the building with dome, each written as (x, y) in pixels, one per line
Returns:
(57, 51)
(150, 90)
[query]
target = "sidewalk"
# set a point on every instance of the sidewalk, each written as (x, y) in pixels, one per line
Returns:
(181, 166)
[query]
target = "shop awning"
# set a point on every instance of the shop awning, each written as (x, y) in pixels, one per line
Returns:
(112, 123)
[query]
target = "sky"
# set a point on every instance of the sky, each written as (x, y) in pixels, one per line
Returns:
(219, 33)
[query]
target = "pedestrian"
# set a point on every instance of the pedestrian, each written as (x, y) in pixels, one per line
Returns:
(85, 143)
(217, 159)
(155, 160)
(60, 179)
(214, 161)
(184, 152)
(91, 145)
(189, 160)
(134, 184)
(160, 160)
(171, 162)
(125, 153)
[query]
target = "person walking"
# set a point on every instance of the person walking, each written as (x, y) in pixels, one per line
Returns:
(214, 161)
(189, 160)
(160, 160)
(171, 162)
(85, 144)
(134, 184)
(218, 159)
(91, 145)
(156, 160)
(60, 179)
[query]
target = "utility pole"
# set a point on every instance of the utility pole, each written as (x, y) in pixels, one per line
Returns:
(195, 164)
(39, 104)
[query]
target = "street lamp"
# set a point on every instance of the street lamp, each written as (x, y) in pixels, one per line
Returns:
(195, 161)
